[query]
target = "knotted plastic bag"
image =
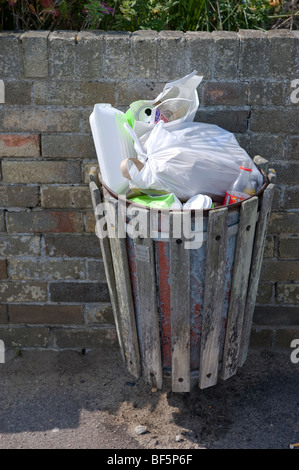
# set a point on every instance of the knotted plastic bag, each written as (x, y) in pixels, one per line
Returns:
(187, 160)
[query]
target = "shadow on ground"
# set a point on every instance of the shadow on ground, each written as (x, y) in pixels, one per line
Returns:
(65, 399)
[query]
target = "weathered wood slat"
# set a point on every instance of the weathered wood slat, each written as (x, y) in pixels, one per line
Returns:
(180, 311)
(256, 263)
(107, 260)
(147, 297)
(213, 297)
(124, 291)
(243, 253)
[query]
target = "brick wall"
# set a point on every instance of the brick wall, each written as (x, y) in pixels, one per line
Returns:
(52, 284)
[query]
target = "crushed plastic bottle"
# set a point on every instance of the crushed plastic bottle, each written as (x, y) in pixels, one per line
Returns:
(242, 188)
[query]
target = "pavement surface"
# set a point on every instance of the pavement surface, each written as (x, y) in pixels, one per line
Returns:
(70, 400)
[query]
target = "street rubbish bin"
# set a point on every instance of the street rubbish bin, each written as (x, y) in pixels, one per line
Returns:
(182, 314)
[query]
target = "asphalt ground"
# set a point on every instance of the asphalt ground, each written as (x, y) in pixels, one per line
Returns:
(69, 400)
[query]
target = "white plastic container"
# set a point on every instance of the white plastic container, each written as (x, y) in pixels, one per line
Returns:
(112, 143)
(199, 201)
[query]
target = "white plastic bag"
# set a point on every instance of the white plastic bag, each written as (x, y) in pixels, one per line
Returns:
(191, 159)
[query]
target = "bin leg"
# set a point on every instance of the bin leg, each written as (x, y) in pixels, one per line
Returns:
(148, 322)
(213, 298)
(124, 292)
(243, 254)
(106, 256)
(256, 264)
(180, 312)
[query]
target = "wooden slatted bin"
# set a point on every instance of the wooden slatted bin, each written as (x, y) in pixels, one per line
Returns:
(181, 313)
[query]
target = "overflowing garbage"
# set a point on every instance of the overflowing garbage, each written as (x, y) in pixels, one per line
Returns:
(156, 155)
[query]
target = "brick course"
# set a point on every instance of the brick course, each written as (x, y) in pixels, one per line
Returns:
(3, 315)
(39, 119)
(19, 145)
(19, 291)
(65, 197)
(61, 145)
(53, 290)
(72, 245)
(19, 196)
(288, 247)
(47, 268)
(46, 314)
(83, 292)
(3, 269)
(2, 221)
(44, 222)
(35, 53)
(12, 245)
(32, 172)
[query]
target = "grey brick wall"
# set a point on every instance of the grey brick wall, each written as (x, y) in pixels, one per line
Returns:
(53, 292)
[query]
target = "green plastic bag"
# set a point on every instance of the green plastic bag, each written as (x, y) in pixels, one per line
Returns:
(167, 201)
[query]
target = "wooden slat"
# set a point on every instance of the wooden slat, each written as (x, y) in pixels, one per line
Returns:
(243, 253)
(149, 333)
(180, 311)
(256, 263)
(106, 256)
(213, 297)
(124, 291)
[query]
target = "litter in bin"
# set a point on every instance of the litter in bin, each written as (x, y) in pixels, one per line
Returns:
(196, 158)
(177, 103)
(112, 144)
(155, 147)
(167, 201)
(199, 201)
(242, 188)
